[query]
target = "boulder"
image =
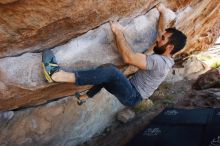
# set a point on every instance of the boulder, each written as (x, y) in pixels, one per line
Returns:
(58, 123)
(210, 79)
(79, 35)
(25, 79)
(125, 115)
(28, 26)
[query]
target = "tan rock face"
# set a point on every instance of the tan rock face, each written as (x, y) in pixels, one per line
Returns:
(210, 79)
(37, 24)
(76, 32)
(41, 24)
(25, 79)
(201, 24)
(59, 123)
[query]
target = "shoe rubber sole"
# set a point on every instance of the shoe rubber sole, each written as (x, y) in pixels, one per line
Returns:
(46, 74)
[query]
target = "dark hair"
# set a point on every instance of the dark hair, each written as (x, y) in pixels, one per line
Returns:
(178, 39)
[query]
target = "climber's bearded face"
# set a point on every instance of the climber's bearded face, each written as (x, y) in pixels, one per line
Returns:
(162, 43)
(160, 50)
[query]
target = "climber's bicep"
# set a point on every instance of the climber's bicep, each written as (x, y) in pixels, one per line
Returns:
(138, 60)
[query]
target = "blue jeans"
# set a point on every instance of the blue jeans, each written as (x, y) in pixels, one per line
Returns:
(113, 80)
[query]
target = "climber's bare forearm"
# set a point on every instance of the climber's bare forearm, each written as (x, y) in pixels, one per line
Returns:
(129, 57)
(160, 29)
(163, 22)
(123, 47)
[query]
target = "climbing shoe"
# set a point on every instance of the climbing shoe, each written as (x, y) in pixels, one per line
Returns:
(79, 96)
(49, 64)
(79, 100)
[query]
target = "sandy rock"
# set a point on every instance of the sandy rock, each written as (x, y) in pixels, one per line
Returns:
(125, 115)
(26, 75)
(192, 24)
(193, 67)
(19, 82)
(210, 79)
(191, 70)
(78, 34)
(60, 123)
(39, 24)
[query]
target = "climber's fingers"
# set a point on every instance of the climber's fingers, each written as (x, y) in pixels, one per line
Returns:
(115, 26)
(160, 7)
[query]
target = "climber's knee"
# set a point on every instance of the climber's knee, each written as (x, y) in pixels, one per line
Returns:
(107, 65)
(111, 71)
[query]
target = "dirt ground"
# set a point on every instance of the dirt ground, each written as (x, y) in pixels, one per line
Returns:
(178, 94)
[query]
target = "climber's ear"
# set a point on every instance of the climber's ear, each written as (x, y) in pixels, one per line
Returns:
(170, 48)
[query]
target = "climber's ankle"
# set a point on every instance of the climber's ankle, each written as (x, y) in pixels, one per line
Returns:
(62, 76)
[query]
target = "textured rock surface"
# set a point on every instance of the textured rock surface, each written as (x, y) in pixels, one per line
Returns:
(198, 64)
(85, 41)
(37, 24)
(210, 79)
(140, 32)
(59, 123)
(200, 21)
(24, 78)
(125, 115)
(191, 69)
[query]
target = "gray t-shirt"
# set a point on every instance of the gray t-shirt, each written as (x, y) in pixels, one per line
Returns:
(147, 81)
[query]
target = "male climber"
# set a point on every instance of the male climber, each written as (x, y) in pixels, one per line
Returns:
(152, 68)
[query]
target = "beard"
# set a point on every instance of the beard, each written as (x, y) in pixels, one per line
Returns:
(160, 50)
